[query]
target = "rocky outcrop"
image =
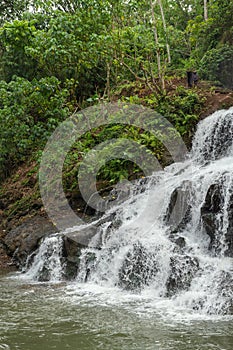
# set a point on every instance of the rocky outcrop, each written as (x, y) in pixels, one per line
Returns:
(210, 209)
(178, 211)
(91, 236)
(74, 243)
(212, 215)
(138, 268)
(183, 269)
(225, 290)
(21, 241)
(5, 261)
(222, 303)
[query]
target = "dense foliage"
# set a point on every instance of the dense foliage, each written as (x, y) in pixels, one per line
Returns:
(57, 56)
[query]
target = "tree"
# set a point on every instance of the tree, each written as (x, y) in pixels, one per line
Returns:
(161, 78)
(205, 10)
(69, 6)
(165, 30)
(15, 37)
(12, 9)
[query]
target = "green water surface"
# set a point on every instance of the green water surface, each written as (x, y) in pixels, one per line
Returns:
(45, 316)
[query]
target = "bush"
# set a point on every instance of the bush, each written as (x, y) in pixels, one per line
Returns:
(29, 112)
(217, 65)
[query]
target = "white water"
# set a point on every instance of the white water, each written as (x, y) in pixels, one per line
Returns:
(144, 239)
(48, 260)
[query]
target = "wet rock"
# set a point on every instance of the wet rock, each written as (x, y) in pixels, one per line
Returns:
(21, 241)
(91, 237)
(225, 290)
(122, 191)
(74, 243)
(180, 242)
(138, 268)
(179, 209)
(210, 209)
(213, 220)
(222, 289)
(88, 264)
(183, 269)
(78, 204)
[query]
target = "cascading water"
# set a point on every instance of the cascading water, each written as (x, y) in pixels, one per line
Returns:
(173, 240)
(47, 264)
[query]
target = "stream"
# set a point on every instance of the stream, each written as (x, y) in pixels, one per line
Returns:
(85, 317)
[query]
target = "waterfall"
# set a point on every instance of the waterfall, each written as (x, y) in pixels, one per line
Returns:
(174, 237)
(214, 137)
(47, 264)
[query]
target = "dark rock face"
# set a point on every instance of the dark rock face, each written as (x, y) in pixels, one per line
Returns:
(24, 239)
(212, 218)
(178, 211)
(89, 263)
(138, 268)
(180, 242)
(210, 209)
(5, 260)
(74, 243)
(183, 269)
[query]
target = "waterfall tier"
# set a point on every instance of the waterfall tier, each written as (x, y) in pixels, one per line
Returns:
(172, 237)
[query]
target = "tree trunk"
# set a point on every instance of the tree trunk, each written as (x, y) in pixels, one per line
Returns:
(205, 10)
(161, 78)
(165, 30)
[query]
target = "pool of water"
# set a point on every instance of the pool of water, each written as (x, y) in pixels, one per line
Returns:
(85, 317)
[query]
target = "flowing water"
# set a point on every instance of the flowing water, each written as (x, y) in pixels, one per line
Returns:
(141, 290)
(73, 316)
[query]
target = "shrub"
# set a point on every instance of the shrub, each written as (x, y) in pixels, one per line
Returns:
(29, 112)
(217, 65)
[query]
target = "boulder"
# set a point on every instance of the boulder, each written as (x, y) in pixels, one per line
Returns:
(138, 268)
(225, 290)
(178, 213)
(209, 210)
(74, 243)
(183, 268)
(180, 242)
(5, 261)
(212, 217)
(222, 289)
(21, 241)
(89, 236)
